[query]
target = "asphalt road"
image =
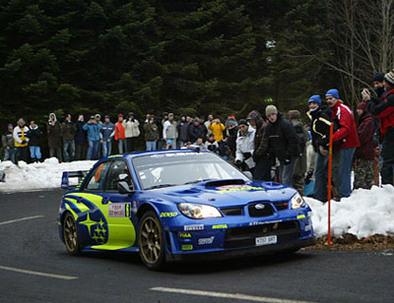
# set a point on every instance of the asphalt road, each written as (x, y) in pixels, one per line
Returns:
(34, 267)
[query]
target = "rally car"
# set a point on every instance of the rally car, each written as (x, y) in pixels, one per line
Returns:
(174, 205)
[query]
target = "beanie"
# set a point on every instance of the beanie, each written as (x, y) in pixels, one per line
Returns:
(243, 122)
(362, 106)
(316, 99)
(271, 109)
(389, 77)
(333, 92)
(378, 77)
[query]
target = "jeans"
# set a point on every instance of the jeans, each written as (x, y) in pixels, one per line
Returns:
(58, 153)
(387, 167)
(22, 154)
(92, 150)
(80, 151)
(122, 146)
(68, 145)
(320, 191)
(106, 148)
(35, 152)
(150, 145)
(342, 167)
(9, 154)
(286, 172)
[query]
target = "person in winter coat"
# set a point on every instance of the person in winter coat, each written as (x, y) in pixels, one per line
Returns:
(262, 169)
(21, 140)
(182, 127)
(151, 133)
(231, 125)
(93, 131)
(169, 131)
(345, 141)
(107, 132)
(196, 130)
(132, 131)
(245, 147)
(34, 135)
(68, 129)
(8, 143)
(54, 137)
(365, 153)
(120, 135)
(320, 122)
(384, 110)
(217, 128)
(80, 139)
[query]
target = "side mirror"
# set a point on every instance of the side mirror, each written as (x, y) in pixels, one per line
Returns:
(124, 188)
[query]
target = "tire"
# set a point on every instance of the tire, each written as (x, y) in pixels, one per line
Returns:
(70, 234)
(151, 241)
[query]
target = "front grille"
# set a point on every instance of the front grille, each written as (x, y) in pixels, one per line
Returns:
(282, 205)
(232, 211)
(246, 236)
(260, 210)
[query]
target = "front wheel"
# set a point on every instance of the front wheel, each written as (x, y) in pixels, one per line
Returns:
(151, 242)
(70, 234)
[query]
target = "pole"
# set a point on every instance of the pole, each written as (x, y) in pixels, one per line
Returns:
(329, 182)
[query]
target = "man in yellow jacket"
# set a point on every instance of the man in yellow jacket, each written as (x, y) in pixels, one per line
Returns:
(217, 129)
(20, 141)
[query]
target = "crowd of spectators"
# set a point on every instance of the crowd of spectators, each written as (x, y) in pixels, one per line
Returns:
(268, 145)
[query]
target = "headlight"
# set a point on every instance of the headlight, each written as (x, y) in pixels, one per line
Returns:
(297, 201)
(198, 211)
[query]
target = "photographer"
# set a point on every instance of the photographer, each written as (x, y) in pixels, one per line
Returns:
(245, 146)
(93, 129)
(54, 137)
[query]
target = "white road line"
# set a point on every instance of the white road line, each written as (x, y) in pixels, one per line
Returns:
(21, 219)
(225, 295)
(37, 273)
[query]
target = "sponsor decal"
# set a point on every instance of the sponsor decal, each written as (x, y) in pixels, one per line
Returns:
(219, 226)
(185, 235)
(193, 227)
(187, 247)
(264, 222)
(168, 214)
(119, 210)
(237, 187)
(205, 241)
(301, 217)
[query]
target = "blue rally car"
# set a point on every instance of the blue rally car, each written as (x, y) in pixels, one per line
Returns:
(180, 204)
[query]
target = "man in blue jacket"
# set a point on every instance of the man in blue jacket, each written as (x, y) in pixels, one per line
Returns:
(93, 130)
(107, 132)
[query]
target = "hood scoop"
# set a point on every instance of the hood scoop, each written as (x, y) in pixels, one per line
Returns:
(224, 182)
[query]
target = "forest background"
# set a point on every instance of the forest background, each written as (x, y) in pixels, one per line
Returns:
(186, 56)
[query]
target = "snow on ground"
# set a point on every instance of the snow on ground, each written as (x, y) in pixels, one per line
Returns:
(364, 213)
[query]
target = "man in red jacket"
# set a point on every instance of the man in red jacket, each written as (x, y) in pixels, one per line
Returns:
(345, 139)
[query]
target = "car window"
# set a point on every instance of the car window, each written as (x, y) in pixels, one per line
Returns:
(97, 177)
(117, 172)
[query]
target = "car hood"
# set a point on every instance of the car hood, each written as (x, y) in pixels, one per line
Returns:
(223, 194)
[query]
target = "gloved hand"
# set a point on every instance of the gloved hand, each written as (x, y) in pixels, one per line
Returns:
(287, 161)
(308, 176)
(238, 163)
(247, 155)
(23, 141)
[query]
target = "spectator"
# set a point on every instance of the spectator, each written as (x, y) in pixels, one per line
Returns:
(212, 145)
(182, 127)
(260, 153)
(198, 144)
(80, 139)
(21, 140)
(217, 129)
(8, 143)
(282, 144)
(120, 135)
(34, 135)
(196, 130)
(245, 147)
(170, 132)
(320, 133)
(132, 131)
(98, 120)
(107, 132)
(204, 128)
(231, 125)
(93, 130)
(162, 143)
(303, 137)
(364, 154)
(68, 130)
(151, 133)
(346, 141)
(207, 123)
(384, 110)
(54, 137)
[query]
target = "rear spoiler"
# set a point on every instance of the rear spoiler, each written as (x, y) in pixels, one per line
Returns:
(72, 174)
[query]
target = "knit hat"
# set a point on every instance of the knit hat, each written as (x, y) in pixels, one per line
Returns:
(10, 124)
(170, 115)
(333, 92)
(120, 115)
(389, 77)
(271, 109)
(316, 99)
(378, 77)
(362, 106)
(243, 122)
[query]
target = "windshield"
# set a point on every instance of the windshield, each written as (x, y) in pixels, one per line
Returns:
(169, 169)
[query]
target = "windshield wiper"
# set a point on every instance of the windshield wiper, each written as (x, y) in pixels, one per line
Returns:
(160, 186)
(197, 181)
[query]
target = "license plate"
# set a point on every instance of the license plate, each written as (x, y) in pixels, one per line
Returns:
(266, 240)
